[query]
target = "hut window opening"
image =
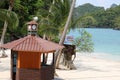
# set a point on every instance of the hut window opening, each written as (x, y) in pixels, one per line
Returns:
(47, 59)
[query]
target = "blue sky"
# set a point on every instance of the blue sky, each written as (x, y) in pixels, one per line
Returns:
(102, 3)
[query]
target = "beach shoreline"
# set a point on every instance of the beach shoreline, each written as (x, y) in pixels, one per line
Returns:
(89, 67)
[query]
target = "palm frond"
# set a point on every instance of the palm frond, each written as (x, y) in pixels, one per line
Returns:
(10, 17)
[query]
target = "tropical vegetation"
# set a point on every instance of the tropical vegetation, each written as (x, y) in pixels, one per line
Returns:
(56, 18)
(84, 42)
(7, 17)
(56, 11)
(92, 16)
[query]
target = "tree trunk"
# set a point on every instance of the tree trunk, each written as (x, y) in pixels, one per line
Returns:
(5, 28)
(69, 55)
(58, 53)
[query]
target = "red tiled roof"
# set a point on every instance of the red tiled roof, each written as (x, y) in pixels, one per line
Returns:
(32, 22)
(34, 44)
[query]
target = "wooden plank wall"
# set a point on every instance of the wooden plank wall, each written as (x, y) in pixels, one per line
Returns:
(29, 60)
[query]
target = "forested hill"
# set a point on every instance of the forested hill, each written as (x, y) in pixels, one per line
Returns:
(92, 16)
(86, 8)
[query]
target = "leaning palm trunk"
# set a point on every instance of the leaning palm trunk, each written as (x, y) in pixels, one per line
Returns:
(2, 39)
(58, 53)
(5, 28)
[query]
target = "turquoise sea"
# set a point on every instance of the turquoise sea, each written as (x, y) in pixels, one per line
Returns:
(106, 42)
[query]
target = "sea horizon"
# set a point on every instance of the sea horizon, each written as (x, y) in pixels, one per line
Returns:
(106, 42)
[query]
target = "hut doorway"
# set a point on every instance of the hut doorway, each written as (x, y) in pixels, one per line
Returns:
(14, 57)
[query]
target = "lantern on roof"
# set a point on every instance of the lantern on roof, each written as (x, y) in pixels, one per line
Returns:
(32, 27)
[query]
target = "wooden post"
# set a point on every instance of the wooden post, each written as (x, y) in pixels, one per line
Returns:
(43, 63)
(53, 62)
(11, 64)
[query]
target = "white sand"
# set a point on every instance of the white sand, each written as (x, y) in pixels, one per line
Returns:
(5, 67)
(89, 67)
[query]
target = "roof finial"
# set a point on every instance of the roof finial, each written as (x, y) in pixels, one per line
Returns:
(35, 18)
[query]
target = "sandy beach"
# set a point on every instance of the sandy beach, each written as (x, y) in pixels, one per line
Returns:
(89, 67)
(5, 67)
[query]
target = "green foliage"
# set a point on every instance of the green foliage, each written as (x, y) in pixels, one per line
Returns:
(84, 42)
(1, 3)
(117, 23)
(26, 10)
(4, 4)
(10, 17)
(101, 18)
(83, 17)
(53, 18)
(86, 9)
(87, 21)
(56, 39)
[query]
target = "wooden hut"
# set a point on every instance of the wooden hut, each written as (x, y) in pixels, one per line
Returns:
(27, 57)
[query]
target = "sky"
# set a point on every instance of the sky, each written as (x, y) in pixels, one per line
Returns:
(101, 3)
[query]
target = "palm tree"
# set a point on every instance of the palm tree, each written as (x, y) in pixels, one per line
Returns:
(58, 53)
(8, 17)
(53, 18)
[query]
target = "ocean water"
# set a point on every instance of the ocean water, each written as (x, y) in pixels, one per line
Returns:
(106, 42)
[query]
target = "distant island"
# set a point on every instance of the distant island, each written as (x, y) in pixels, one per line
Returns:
(94, 16)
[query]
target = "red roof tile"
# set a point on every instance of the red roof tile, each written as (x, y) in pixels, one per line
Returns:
(34, 44)
(32, 22)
